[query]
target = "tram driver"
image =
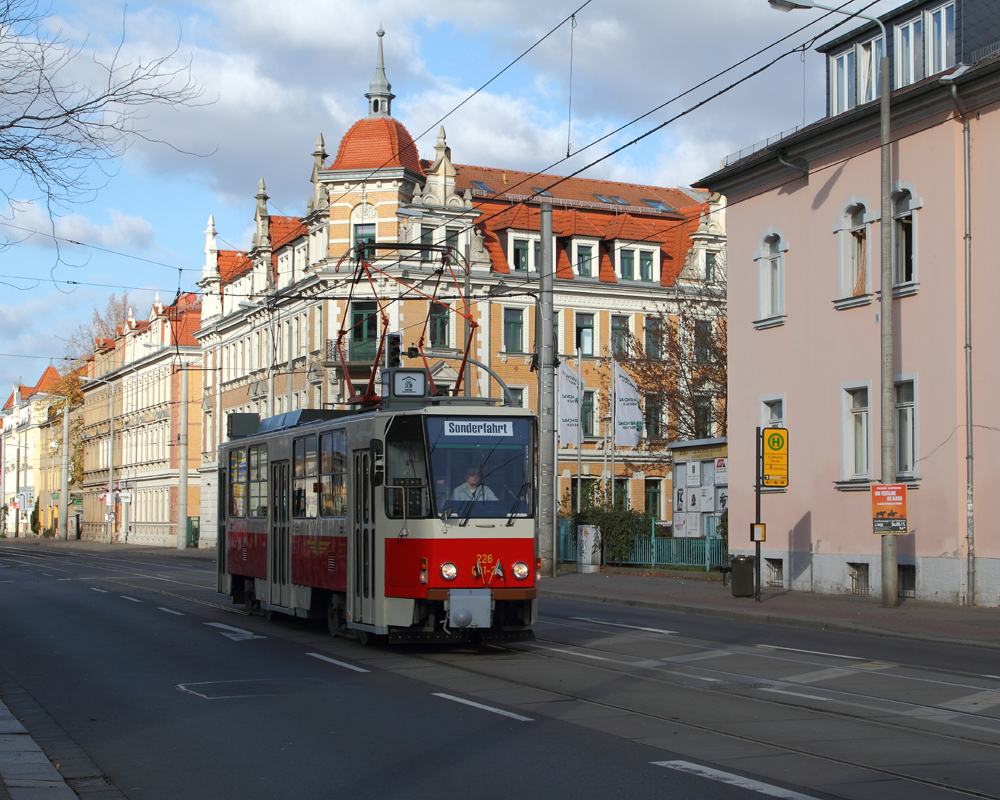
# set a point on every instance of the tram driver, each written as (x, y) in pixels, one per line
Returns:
(471, 489)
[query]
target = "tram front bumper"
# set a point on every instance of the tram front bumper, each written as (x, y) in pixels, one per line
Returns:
(469, 608)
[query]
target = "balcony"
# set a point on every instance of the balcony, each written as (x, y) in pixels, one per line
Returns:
(357, 351)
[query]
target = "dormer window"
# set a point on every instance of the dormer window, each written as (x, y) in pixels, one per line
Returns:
(925, 45)
(481, 186)
(855, 76)
(941, 38)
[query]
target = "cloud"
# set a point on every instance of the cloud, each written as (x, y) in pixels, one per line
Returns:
(31, 224)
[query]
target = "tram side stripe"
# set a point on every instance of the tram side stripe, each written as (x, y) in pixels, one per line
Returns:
(343, 664)
(499, 711)
(733, 780)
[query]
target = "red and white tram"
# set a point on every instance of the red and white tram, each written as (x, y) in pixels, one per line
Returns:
(414, 520)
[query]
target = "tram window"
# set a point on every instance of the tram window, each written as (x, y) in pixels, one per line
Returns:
(406, 466)
(333, 474)
(482, 467)
(237, 482)
(258, 481)
(305, 478)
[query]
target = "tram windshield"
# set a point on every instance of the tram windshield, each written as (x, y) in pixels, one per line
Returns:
(481, 467)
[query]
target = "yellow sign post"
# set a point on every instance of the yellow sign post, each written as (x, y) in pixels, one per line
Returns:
(775, 471)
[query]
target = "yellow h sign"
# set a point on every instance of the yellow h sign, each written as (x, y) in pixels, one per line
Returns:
(775, 472)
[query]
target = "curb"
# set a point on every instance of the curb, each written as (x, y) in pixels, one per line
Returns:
(25, 770)
(767, 619)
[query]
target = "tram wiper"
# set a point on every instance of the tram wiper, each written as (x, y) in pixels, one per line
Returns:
(517, 500)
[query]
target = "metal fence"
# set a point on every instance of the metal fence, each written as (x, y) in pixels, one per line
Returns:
(652, 551)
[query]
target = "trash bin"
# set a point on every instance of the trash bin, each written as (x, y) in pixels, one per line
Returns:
(742, 576)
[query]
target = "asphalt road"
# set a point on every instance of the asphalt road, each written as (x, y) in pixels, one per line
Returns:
(135, 664)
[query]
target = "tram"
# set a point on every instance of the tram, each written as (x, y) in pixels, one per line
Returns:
(411, 520)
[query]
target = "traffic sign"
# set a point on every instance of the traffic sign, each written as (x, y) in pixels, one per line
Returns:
(758, 532)
(889, 508)
(775, 472)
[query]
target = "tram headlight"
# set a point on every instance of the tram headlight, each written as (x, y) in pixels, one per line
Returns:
(520, 570)
(449, 571)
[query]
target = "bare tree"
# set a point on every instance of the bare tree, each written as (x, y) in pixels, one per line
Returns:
(103, 324)
(54, 128)
(679, 364)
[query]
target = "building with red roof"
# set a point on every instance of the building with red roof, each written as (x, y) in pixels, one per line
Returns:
(132, 397)
(273, 316)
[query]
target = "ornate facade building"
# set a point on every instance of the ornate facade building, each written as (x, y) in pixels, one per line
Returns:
(271, 316)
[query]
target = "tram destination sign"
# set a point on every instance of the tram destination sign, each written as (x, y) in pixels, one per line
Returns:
(478, 427)
(775, 465)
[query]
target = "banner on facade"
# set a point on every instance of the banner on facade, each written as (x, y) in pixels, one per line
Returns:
(628, 413)
(569, 404)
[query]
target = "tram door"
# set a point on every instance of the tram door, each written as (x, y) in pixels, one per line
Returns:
(362, 543)
(279, 540)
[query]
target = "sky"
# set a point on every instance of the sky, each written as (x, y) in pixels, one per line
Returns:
(274, 75)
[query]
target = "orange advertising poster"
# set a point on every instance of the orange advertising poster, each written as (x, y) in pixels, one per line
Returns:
(889, 508)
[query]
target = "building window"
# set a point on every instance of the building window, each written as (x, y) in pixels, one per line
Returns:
(770, 279)
(902, 239)
(702, 340)
(909, 52)
(364, 331)
(516, 396)
(653, 421)
(941, 39)
(906, 429)
(513, 340)
(426, 240)
(654, 494)
(365, 234)
(645, 265)
(627, 259)
(585, 334)
(451, 239)
(710, 267)
(619, 336)
(858, 253)
(584, 259)
(870, 70)
(521, 255)
(843, 82)
(702, 417)
(772, 413)
(654, 339)
(537, 251)
(587, 413)
(439, 325)
(857, 433)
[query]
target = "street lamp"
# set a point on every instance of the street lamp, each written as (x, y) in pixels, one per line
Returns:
(890, 588)
(109, 498)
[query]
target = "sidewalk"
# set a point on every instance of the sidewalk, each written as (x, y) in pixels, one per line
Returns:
(691, 593)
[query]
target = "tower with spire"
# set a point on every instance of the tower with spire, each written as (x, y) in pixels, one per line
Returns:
(380, 94)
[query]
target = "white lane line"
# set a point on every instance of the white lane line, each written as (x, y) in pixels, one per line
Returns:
(806, 696)
(621, 625)
(499, 711)
(95, 589)
(810, 652)
(646, 664)
(343, 664)
(170, 611)
(236, 634)
(8, 581)
(64, 579)
(995, 677)
(126, 597)
(46, 574)
(974, 703)
(733, 780)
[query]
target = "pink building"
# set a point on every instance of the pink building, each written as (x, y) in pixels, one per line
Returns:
(804, 232)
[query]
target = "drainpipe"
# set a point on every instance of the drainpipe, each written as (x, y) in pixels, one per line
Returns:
(949, 80)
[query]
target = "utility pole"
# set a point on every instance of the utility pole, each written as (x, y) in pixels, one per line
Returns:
(64, 477)
(546, 399)
(466, 378)
(182, 482)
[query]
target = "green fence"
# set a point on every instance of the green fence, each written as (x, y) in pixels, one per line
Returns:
(652, 551)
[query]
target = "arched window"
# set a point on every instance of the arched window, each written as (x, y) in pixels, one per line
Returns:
(904, 239)
(770, 260)
(854, 253)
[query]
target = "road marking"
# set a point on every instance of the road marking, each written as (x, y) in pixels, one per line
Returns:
(95, 589)
(806, 696)
(995, 677)
(8, 581)
(170, 611)
(64, 579)
(46, 574)
(126, 597)
(621, 625)
(236, 634)
(684, 659)
(645, 664)
(733, 780)
(499, 711)
(810, 652)
(574, 653)
(974, 703)
(343, 664)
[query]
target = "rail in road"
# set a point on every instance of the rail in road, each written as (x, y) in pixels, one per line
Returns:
(766, 716)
